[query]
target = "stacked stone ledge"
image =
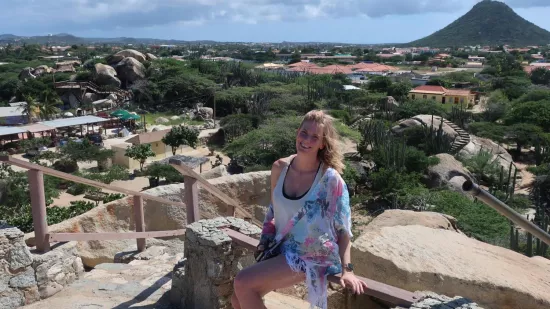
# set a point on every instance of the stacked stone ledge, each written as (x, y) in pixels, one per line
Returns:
(27, 277)
(204, 278)
(431, 300)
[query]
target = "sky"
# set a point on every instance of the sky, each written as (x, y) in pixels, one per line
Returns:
(344, 21)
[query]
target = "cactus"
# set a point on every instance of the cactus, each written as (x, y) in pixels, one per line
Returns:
(460, 116)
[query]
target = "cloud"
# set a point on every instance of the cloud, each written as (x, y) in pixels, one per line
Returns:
(102, 15)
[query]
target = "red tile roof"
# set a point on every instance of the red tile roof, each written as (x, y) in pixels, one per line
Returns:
(430, 88)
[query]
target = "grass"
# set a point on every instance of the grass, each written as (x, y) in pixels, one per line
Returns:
(348, 132)
(150, 119)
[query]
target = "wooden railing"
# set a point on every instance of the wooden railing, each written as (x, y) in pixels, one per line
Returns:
(381, 291)
(191, 179)
(384, 292)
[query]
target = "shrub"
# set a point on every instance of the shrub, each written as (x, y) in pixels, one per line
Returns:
(341, 114)
(237, 125)
(474, 219)
(66, 166)
(113, 197)
(276, 139)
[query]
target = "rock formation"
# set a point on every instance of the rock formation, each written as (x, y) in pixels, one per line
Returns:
(151, 56)
(26, 74)
(448, 172)
(416, 256)
(130, 70)
(106, 75)
(127, 53)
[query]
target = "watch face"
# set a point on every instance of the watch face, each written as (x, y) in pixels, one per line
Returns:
(349, 266)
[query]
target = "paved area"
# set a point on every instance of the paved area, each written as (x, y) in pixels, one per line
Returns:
(143, 284)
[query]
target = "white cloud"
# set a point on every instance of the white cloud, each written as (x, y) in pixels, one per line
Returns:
(68, 15)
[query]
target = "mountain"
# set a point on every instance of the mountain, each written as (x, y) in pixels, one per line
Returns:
(69, 39)
(487, 23)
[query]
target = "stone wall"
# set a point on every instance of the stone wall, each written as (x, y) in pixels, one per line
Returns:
(27, 277)
(204, 279)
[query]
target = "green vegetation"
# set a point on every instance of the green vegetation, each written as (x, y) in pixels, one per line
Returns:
(487, 23)
(181, 135)
(140, 153)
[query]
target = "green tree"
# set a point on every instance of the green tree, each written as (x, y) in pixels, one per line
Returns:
(380, 84)
(181, 135)
(540, 76)
(29, 109)
(536, 113)
(49, 104)
(140, 153)
(400, 90)
(524, 134)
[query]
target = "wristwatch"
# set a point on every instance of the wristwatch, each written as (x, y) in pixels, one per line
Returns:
(348, 267)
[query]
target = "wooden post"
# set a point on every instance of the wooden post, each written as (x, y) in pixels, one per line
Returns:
(191, 197)
(38, 203)
(140, 221)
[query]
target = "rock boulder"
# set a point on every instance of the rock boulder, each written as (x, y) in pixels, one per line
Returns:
(106, 75)
(421, 258)
(130, 70)
(448, 172)
(127, 53)
(26, 73)
(216, 172)
(420, 120)
(477, 144)
(151, 56)
(90, 97)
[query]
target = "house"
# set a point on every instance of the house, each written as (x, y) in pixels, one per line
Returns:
(443, 95)
(154, 139)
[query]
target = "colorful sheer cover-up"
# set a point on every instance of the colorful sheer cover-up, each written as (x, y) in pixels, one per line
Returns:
(312, 236)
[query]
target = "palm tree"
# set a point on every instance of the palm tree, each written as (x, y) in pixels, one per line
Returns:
(29, 109)
(48, 107)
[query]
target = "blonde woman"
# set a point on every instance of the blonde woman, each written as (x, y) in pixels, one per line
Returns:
(309, 216)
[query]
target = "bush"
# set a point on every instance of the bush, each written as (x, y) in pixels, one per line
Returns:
(113, 197)
(237, 125)
(158, 170)
(66, 166)
(276, 139)
(342, 115)
(474, 219)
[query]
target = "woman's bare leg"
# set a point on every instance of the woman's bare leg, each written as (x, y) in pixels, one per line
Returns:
(252, 283)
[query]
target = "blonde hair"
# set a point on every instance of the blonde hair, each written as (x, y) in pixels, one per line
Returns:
(330, 155)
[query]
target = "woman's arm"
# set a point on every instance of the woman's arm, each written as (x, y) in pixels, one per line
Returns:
(343, 228)
(344, 247)
(268, 229)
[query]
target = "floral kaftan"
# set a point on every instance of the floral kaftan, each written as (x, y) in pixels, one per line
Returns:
(311, 242)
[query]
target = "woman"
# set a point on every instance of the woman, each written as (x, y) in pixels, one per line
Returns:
(310, 207)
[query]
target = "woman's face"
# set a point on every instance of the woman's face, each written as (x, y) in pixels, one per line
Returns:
(310, 138)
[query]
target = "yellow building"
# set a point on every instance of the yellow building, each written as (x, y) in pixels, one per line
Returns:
(155, 140)
(442, 95)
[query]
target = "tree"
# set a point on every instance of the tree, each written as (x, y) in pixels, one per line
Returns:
(438, 81)
(400, 90)
(524, 134)
(140, 153)
(83, 151)
(48, 107)
(181, 135)
(540, 76)
(380, 84)
(29, 109)
(536, 113)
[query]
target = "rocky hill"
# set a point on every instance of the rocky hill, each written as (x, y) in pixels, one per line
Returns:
(488, 23)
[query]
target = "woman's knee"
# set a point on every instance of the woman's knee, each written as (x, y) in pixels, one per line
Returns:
(235, 301)
(240, 281)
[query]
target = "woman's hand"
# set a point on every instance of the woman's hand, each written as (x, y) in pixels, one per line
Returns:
(349, 280)
(259, 249)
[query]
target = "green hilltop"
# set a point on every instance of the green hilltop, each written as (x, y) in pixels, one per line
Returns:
(488, 23)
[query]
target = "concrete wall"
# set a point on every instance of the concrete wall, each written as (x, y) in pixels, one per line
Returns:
(121, 159)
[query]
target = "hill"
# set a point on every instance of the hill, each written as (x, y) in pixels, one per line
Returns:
(487, 23)
(69, 39)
